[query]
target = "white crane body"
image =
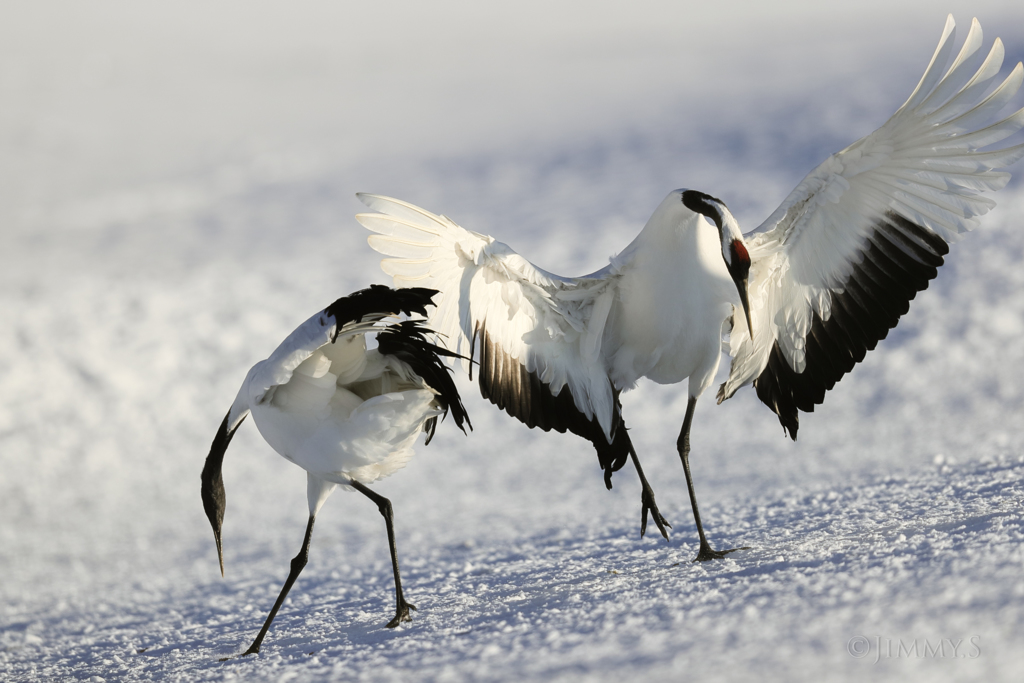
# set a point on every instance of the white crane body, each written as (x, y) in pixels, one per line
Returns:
(346, 414)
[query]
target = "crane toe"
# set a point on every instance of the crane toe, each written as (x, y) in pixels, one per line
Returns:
(650, 506)
(402, 614)
(706, 554)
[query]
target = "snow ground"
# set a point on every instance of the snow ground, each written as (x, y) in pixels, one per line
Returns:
(168, 215)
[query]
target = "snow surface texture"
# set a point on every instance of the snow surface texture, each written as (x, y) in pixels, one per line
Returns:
(141, 276)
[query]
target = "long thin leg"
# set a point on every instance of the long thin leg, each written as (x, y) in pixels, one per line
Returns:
(683, 444)
(647, 500)
(384, 505)
(298, 562)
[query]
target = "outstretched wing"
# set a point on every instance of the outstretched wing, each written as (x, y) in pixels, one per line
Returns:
(539, 334)
(836, 265)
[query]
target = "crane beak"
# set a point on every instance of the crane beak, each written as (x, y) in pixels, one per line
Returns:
(737, 260)
(741, 286)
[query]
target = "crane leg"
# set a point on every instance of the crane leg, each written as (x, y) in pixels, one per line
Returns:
(298, 562)
(683, 444)
(384, 505)
(647, 500)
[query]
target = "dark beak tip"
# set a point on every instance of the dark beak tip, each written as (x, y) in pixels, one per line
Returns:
(741, 286)
(220, 554)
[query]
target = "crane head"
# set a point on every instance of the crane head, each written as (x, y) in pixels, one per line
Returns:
(734, 249)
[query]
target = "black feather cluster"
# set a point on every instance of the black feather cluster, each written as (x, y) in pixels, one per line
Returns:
(406, 341)
(898, 261)
(505, 382)
(379, 299)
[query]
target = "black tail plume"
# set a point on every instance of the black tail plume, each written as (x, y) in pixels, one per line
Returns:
(407, 342)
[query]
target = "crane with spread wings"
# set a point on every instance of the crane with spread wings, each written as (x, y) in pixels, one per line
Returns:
(796, 303)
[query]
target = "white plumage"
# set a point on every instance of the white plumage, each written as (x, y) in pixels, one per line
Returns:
(346, 414)
(827, 275)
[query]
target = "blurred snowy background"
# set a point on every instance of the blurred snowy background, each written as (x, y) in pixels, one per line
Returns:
(176, 193)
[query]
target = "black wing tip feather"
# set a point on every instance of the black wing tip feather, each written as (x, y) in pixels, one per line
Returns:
(507, 383)
(429, 427)
(900, 259)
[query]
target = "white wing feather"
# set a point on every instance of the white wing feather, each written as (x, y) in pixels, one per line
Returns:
(551, 325)
(923, 165)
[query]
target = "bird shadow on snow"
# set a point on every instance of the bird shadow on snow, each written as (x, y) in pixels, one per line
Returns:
(933, 517)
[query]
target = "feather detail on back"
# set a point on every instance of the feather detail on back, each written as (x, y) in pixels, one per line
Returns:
(341, 411)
